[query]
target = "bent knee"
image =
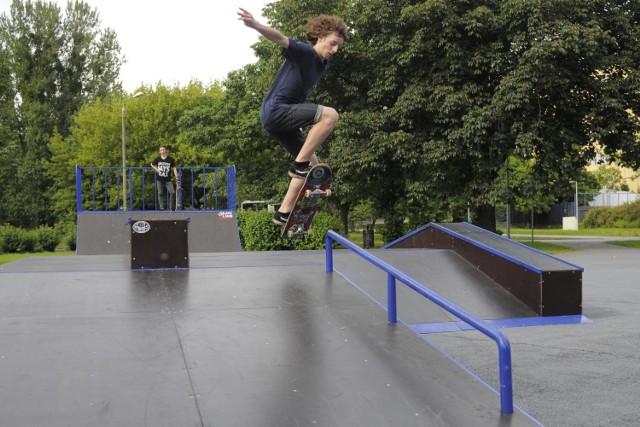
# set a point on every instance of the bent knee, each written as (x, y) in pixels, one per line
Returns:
(329, 116)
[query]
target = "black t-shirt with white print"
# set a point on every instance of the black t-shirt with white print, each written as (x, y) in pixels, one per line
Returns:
(165, 167)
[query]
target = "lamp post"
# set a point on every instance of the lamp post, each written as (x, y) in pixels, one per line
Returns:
(124, 155)
(575, 201)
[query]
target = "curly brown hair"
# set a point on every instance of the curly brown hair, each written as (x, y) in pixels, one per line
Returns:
(321, 25)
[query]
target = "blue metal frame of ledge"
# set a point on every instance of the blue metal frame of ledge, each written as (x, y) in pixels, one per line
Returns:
(489, 249)
(435, 328)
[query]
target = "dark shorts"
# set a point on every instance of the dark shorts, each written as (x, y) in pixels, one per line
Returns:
(287, 129)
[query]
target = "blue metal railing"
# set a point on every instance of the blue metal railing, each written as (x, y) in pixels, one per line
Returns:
(504, 347)
(100, 189)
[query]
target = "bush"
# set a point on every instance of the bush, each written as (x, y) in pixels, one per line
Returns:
(322, 223)
(15, 239)
(69, 241)
(624, 216)
(67, 233)
(47, 238)
(258, 233)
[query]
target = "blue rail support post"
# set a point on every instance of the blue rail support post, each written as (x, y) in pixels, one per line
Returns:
(392, 312)
(78, 189)
(231, 187)
(504, 347)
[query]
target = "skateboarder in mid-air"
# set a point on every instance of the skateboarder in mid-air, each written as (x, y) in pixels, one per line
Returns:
(284, 111)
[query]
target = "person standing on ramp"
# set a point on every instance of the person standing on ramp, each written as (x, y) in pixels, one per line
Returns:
(165, 166)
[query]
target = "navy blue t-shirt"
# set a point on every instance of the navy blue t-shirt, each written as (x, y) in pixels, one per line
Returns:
(300, 71)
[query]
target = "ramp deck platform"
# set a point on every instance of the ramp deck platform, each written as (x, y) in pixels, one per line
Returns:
(239, 339)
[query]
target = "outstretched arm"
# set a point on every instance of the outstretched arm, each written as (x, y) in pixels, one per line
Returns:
(269, 33)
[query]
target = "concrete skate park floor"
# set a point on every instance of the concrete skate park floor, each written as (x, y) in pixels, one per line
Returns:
(87, 341)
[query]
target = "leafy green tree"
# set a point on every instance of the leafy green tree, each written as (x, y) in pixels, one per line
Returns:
(527, 191)
(56, 62)
(8, 129)
(153, 119)
(232, 128)
(229, 127)
(443, 92)
(609, 178)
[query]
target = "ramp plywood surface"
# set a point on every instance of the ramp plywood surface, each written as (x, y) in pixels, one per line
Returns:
(110, 233)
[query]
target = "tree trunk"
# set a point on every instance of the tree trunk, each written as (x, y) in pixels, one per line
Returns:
(344, 217)
(486, 217)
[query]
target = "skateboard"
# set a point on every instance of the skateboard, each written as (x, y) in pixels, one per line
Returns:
(314, 189)
(178, 195)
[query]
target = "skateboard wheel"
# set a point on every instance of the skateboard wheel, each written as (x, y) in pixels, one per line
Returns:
(290, 233)
(307, 193)
(328, 192)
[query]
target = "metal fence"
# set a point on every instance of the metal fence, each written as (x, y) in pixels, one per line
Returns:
(612, 198)
(100, 189)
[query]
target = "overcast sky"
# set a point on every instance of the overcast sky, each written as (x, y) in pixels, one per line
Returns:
(175, 42)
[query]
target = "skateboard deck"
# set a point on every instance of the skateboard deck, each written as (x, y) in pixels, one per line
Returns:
(313, 191)
(178, 195)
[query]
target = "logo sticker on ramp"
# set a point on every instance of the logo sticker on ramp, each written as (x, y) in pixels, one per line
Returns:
(141, 227)
(225, 215)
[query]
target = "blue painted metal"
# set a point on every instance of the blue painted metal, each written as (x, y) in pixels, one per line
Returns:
(104, 185)
(144, 205)
(112, 182)
(215, 185)
(486, 248)
(231, 187)
(432, 328)
(192, 188)
(537, 270)
(392, 311)
(78, 189)
(93, 188)
(504, 347)
(130, 184)
(204, 189)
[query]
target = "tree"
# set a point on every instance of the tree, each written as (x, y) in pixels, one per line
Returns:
(443, 92)
(8, 129)
(151, 120)
(229, 126)
(56, 63)
(232, 128)
(609, 178)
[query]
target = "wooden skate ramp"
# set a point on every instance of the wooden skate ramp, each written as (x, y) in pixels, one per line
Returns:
(546, 284)
(108, 233)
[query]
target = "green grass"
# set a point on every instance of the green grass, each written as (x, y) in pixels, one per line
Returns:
(356, 237)
(595, 232)
(550, 248)
(626, 243)
(5, 258)
(559, 234)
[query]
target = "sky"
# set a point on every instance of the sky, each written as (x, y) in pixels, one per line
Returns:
(175, 42)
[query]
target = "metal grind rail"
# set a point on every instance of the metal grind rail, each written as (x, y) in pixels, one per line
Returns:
(504, 347)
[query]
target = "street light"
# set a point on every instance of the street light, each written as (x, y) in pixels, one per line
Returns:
(575, 202)
(124, 155)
